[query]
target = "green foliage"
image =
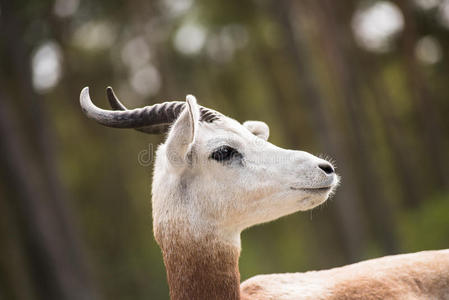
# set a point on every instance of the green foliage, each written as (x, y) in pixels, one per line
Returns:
(426, 227)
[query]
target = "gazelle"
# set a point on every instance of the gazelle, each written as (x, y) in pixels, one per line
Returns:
(214, 177)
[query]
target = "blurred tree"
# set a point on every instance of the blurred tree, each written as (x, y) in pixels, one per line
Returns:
(76, 221)
(56, 263)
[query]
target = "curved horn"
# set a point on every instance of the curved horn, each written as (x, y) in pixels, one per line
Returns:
(155, 118)
(113, 100)
(206, 115)
(115, 104)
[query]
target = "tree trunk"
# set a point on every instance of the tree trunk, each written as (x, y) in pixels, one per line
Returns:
(52, 243)
(435, 148)
(347, 208)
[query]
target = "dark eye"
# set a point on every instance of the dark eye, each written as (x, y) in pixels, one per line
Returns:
(225, 153)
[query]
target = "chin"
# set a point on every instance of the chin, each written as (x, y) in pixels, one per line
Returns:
(312, 201)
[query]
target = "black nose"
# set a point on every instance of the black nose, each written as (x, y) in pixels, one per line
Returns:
(327, 168)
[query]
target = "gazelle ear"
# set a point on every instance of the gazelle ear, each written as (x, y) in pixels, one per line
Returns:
(183, 132)
(258, 128)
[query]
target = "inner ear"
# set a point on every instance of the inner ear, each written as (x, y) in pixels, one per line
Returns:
(194, 115)
(181, 137)
(258, 128)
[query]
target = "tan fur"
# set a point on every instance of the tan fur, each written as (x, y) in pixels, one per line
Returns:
(198, 268)
(422, 275)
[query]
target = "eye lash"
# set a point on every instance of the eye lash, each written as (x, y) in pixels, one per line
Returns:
(224, 154)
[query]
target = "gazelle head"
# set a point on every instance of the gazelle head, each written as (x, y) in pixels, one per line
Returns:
(215, 175)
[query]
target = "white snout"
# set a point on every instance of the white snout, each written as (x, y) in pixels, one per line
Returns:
(314, 174)
(327, 171)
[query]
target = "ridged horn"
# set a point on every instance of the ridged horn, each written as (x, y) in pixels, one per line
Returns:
(206, 115)
(155, 118)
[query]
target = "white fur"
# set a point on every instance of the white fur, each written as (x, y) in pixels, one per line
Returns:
(224, 199)
(258, 128)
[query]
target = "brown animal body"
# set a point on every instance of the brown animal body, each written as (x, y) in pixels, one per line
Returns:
(422, 275)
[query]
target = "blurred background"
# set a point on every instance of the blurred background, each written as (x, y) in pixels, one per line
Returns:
(364, 83)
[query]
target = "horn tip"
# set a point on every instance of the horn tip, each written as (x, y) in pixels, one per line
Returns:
(84, 94)
(113, 101)
(85, 101)
(110, 92)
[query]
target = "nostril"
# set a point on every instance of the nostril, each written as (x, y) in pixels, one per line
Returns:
(326, 168)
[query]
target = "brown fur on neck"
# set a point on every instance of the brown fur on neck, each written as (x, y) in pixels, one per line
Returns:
(199, 267)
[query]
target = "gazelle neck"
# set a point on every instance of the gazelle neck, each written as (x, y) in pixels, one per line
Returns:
(204, 267)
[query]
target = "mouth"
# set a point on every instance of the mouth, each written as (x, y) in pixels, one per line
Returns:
(313, 190)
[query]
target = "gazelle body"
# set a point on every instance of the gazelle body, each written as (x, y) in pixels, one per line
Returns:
(422, 275)
(213, 178)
